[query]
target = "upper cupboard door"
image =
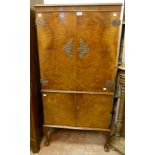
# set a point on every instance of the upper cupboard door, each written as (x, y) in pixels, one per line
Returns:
(97, 40)
(56, 42)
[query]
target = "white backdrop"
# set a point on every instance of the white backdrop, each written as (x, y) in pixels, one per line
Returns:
(81, 1)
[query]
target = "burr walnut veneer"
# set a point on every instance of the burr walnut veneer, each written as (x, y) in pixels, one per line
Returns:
(78, 58)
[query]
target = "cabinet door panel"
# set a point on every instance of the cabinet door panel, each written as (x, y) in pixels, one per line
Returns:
(56, 42)
(94, 111)
(59, 109)
(97, 41)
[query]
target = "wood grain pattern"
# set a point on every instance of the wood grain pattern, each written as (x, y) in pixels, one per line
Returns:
(55, 65)
(98, 66)
(59, 109)
(94, 111)
(74, 93)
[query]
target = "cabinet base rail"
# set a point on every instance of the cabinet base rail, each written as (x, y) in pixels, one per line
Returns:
(76, 92)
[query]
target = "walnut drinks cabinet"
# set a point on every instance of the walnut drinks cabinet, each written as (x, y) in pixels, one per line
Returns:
(78, 47)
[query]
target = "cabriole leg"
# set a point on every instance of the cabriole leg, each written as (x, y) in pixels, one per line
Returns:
(47, 134)
(106, 144)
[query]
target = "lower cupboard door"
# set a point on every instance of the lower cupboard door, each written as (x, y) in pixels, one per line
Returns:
(59, 109)
(93, 111)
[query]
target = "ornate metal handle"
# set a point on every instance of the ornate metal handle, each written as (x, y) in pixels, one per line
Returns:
(83, 49)
(109, 84)
(116, 22)
(68, 48)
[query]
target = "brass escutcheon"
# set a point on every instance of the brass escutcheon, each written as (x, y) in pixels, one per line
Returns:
(83, 49)
(68, 48)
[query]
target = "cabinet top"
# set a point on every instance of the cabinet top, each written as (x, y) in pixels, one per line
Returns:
(78, 7)
(79, 4)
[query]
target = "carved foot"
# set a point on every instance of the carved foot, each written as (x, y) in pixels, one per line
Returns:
(106, 144)
(46, 143)
(106, 148)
